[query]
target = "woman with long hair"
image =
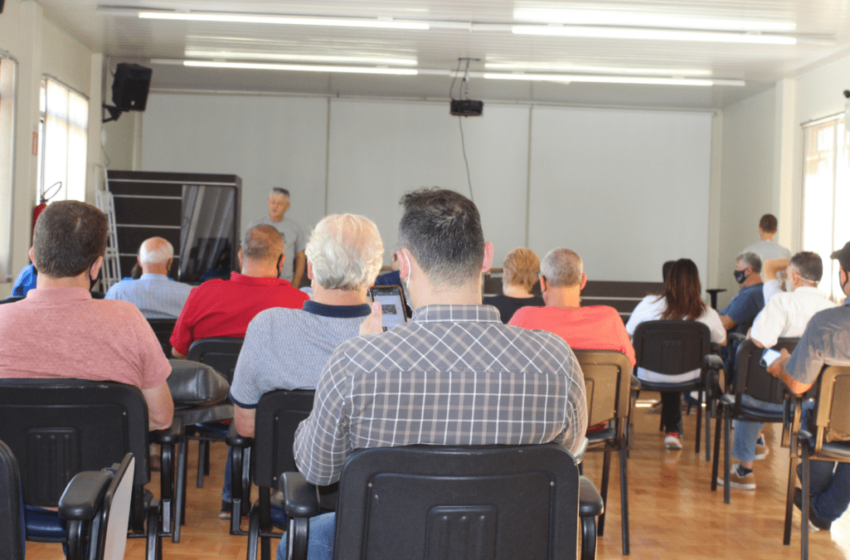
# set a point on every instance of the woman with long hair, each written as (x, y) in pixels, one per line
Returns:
(680, 300)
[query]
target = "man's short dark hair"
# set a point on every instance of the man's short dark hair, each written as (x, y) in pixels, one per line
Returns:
(808, 264)
(69, 236)
(279, 191)
(262, 243)
(442, 230)
(768, 223)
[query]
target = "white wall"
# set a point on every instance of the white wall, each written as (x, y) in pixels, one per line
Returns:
(360, 156)
(746, 180)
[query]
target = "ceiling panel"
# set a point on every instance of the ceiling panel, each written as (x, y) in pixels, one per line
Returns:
(823, 28)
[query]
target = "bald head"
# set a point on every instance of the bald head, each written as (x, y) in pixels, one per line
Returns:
(155, 256)
(261, 251)
(562, 268)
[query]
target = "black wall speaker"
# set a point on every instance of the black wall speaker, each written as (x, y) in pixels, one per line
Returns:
(130, 87)
(1, 5)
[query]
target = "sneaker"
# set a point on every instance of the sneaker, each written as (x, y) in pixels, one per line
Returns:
(737, 478)
(814, 520)
(672, 441)
(761, 448)
(226, 508)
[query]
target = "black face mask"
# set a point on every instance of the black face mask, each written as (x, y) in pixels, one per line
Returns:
(740, 276)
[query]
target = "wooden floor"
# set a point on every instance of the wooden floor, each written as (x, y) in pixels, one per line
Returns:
(674, 514)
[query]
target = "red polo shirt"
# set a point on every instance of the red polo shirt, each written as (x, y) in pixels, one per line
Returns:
(225, 307)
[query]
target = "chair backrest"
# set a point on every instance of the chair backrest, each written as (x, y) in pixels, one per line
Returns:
(278, 415)
(110, 526)
(607, 382)
(751, 378)
(163, 328)
(11, 517)
(671, 347)
(430, 502)
(833, 414)
(57, 428)
(220, 353)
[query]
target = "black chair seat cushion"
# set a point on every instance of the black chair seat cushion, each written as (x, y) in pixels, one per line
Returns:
(196, 383)
(193, 415)
(655, 386)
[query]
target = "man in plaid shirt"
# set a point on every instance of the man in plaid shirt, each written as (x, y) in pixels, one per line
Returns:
(454, 375)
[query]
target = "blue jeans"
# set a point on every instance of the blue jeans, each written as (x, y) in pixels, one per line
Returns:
(747, 433)
(225, 491)
(829, 483)
(320, 544)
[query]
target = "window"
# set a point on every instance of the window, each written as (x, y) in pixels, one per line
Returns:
(63, 129)
(8, 74)
(826, 187)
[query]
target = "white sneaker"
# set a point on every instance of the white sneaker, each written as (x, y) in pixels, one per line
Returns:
(761, 449)
(736, 480)
(672, 441)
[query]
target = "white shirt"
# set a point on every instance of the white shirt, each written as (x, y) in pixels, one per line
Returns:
(770, 289)
(767, 250)
(650, 309)
(787, 314)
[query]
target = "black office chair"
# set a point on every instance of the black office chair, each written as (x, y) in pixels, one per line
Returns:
(827, 439)
(676, 347)
(418, 502)
(266, 455)
(95, 506)
(607, 381)
(58, 428)
(163, 328)
(221, 354)
(752, 379)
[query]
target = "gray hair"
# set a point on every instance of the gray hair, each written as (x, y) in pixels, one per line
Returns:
(562, 267)
(751, 259)
(809, 265)
(160, 255)
(279, 191)
(346, 252)
(262, 243)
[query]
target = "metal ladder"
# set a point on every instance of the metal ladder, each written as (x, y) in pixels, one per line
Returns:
(106, 203)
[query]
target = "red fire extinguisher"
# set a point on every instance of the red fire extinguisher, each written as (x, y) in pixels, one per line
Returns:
(52, 191)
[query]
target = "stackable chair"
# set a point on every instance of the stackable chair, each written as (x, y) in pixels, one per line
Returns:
(261, 459)
(58, 428)
(752, 379)
(418, 502)
(94, 505)
(825, 440)
(163, 328)
(608, 380)
(221, 354)
(675, 347)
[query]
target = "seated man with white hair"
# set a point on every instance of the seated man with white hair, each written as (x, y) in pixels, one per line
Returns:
(155, 294)
(288, 348)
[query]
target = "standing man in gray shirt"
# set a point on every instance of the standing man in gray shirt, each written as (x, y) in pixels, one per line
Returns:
(293, 236)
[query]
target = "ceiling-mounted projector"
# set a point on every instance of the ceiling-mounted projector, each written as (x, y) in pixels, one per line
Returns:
(467, 108)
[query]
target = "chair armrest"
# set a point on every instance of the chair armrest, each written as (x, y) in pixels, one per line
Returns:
(590, 503)
(170, 435)
(635, 383)
(579, 455)
(735, 337)
(713, 361)
(235, 440)
(83, 495)
(300, 498)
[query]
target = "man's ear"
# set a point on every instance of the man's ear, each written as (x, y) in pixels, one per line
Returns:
(583, 281)
(95, 268)
(542, 280)
(167, 265)
(239, 255)
(488, 257)
(31, 253)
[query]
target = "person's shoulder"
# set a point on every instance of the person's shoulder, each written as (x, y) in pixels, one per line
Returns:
(534, 338)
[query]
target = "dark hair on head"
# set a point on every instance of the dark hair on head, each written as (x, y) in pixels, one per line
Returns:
(809, 265)
(665, 269)
(683, 292)
(261, 243)
(768, 223)
(442, 230)
(69, 236)
(279, 191)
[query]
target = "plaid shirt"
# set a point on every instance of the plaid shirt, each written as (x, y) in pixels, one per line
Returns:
(455, 375)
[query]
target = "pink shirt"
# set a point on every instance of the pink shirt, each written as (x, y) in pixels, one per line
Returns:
(63, 332)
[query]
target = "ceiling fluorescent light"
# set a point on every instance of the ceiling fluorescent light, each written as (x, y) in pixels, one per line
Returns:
(637, 19)
(594, 69)
(611, 79)
(376, 23)
(651, 34)
(300, 67)
(241, 55)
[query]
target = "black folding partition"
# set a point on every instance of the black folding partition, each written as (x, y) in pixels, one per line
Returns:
(197, 212)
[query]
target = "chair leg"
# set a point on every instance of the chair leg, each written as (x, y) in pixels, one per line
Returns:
(588, 538)
(699, 425)
(789, 497)
(707, 428)
(202, 456)
(207, 458)
(624, 498)
(804, 514)
(180, 493)
(153, 544)
(606, 468)
(265, 523)
(253, 534)
(715, 464)
(727, 453)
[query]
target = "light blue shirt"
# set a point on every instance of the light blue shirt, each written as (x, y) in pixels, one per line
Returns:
(156, 296)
